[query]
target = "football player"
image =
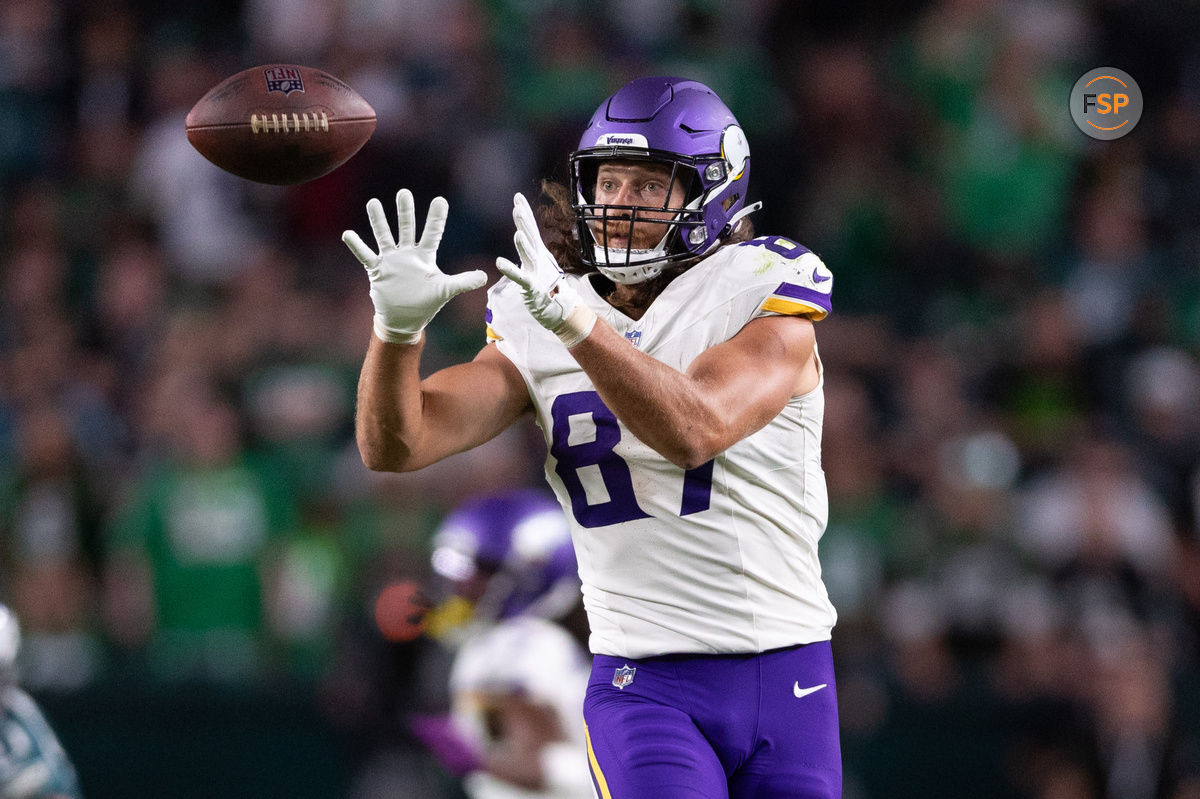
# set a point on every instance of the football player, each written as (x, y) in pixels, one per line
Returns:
(502, 555)
(669, 356)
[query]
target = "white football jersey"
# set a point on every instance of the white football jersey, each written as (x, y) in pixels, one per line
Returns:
(717, 559)
(536, 659)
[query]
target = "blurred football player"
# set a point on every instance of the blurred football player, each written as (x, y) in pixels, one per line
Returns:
(33, 764)
(518, 676)
(669, 356)
(500, 556)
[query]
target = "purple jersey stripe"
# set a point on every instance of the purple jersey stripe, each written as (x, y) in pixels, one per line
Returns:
(811, 296)
(487, 315)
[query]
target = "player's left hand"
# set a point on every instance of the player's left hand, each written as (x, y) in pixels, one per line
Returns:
(550, 299)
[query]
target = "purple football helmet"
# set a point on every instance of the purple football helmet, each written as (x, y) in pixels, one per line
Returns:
(680, 123)
(515, 548)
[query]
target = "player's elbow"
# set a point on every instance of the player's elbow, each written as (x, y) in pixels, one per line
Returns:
(385, 459)
(377, 463)
(694, 459)
(694, 450)
(688, 462)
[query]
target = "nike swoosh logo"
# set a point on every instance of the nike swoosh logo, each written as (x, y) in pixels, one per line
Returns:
(818, 277)
(803, 692)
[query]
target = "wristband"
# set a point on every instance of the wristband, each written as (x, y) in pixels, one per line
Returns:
(576, 327)
(392, 337)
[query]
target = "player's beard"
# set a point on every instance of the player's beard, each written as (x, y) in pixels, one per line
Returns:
(646, 235)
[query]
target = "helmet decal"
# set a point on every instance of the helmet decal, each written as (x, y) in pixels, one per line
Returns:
(735, 151)
(621, 139)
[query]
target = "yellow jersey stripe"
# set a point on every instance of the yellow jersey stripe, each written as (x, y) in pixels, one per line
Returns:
(601, 783)
(491, 335)
(792, 308)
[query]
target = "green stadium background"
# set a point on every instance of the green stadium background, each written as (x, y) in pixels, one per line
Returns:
(1012, 438)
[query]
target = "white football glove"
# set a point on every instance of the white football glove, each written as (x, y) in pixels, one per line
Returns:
(407, 287)
(551, 300)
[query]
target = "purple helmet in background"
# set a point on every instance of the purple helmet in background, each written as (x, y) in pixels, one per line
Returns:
(680, 123)
(509, 554)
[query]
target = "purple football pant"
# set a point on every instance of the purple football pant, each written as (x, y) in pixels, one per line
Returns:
(712, 727)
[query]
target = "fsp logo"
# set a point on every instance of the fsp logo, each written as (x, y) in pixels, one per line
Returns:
(1106, 103)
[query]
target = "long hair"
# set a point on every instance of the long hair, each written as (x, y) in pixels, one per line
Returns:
(557, 218)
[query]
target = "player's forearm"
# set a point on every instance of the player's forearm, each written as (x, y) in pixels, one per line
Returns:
(387, 419)
(669, 411)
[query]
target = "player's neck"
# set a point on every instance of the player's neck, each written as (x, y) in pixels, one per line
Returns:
(633, 299)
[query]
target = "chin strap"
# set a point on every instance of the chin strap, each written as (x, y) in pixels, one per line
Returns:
(621, 256)
(627, 256)
(622, 265)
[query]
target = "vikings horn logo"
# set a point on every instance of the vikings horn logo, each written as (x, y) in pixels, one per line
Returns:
(283, 79)
(623, 676)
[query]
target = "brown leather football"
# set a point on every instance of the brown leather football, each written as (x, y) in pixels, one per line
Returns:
(280, 124)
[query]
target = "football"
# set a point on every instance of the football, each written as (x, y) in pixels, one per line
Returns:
(280, 124)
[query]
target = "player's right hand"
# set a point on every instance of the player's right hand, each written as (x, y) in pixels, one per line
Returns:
(407, 287)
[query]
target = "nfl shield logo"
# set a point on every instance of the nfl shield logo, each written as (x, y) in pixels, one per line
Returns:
(634, 337)
(623, 676)
(283, 79)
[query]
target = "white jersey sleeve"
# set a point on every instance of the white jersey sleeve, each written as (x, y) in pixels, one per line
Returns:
(721, 558)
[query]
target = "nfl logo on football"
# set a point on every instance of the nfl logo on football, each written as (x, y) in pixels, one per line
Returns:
(283, 79)
(623, 676)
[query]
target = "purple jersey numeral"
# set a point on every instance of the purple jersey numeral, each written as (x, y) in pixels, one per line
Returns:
(622, 505)
(778, 244)
(697, 489)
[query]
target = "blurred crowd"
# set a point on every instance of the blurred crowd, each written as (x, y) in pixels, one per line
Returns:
(1012, 433)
